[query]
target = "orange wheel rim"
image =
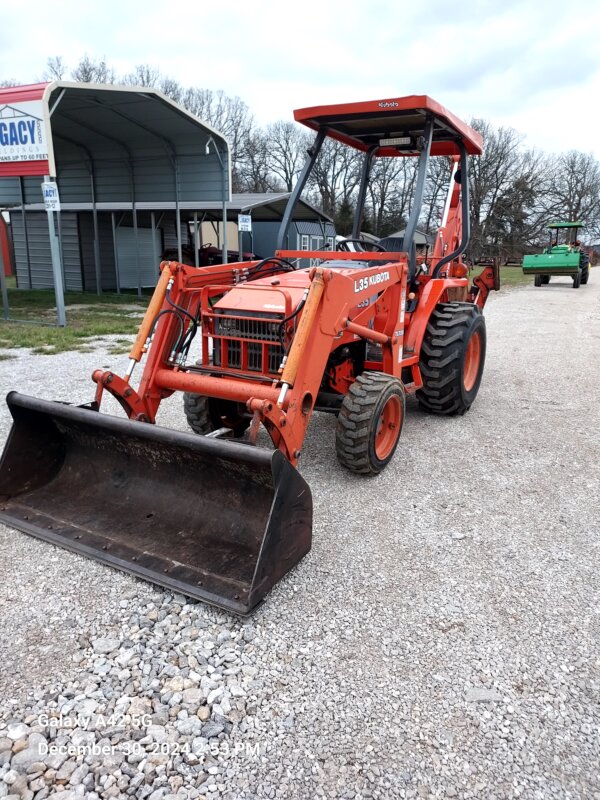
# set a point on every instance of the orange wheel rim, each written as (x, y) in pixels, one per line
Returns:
(472, 361)
(388, 427)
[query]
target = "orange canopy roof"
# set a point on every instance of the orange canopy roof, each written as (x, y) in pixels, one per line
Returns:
(364, 125)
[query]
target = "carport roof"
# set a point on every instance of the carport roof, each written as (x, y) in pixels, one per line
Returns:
(101, 128)
(263, 207)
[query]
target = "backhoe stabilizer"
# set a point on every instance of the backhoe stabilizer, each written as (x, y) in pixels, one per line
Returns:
(215, 520)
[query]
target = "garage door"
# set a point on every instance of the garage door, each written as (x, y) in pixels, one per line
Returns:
(148, 258)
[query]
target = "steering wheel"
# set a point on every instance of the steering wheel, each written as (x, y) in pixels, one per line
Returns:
(343, 245)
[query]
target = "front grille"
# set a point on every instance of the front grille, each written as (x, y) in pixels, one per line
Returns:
(264, 330)
(231, 349)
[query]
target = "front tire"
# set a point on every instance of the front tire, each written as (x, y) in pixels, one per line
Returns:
(207, 414)
(370, 423)
(537, 280)
(577, 279)
(452, 358)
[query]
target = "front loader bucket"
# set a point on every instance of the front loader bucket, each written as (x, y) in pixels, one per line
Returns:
(215, 520)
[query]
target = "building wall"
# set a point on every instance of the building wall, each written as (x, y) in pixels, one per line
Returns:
(77, 238)
(40, 262)
(212, 233)
(138, 265)
(264, 237)
(107, 257)
(152, 177)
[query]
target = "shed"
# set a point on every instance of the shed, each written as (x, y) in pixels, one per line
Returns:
(421, 239)
(311, 228)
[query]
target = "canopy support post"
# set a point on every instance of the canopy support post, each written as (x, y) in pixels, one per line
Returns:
(115, 251)
(59, 290)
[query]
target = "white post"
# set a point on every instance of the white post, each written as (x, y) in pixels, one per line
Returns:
(59, 290)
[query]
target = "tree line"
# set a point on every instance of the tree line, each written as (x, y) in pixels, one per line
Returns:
(515, 190)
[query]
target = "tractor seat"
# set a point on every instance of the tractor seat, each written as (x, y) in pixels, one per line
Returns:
(395, 244)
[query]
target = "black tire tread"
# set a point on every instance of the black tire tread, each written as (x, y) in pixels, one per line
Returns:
(197, 413)
(441, 354)
(355, 421)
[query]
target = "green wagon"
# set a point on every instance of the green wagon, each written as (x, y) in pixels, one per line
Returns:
(568, 258)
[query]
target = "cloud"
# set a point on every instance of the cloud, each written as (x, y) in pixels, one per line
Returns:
(514, 63)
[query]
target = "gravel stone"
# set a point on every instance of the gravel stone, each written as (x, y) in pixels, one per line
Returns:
(24, 759)
(105, 645)
(16, 730)
(483, 696)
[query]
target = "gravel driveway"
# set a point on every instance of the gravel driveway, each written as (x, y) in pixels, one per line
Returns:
(441, 639)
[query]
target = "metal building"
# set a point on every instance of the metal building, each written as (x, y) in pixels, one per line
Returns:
(310, 228)
(110, 149)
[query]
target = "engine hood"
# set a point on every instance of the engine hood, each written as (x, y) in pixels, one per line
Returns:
(276, 295)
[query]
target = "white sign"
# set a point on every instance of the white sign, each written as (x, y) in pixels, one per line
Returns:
(51, 198)
(23, 132)
(244, 223)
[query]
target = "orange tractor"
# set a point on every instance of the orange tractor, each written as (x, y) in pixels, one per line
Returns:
(262, 343)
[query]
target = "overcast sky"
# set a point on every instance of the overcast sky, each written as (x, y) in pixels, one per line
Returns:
(530, 64)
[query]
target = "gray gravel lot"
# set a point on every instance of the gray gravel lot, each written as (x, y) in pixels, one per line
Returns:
(441, 639)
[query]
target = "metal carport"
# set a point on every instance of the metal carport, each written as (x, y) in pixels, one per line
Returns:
(109, 145)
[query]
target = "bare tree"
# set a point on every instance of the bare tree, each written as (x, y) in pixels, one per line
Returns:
(229, 115)
(436, 191)
(335, 176)
(56, 69)
(143, 75)
(253, 171)
(8, 82)
(390, 190)
(172, 89)
(574, 189)
(491, 175)
(91, 70)
(285, 151)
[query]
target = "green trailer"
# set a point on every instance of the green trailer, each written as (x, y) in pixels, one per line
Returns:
(568, 258)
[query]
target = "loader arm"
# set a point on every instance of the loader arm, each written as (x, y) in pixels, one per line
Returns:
(173, 308)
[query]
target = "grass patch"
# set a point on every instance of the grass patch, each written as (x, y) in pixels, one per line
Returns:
(119, 346)
(88, 316)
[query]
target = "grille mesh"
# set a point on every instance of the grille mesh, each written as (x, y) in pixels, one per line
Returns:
(236, 328)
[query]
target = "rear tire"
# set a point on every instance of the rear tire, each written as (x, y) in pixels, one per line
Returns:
(207, 414)
(545, 280)
(585, 274)
(370, 423)
(452, 358)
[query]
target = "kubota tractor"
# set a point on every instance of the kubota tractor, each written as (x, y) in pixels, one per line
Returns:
(262, 343)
